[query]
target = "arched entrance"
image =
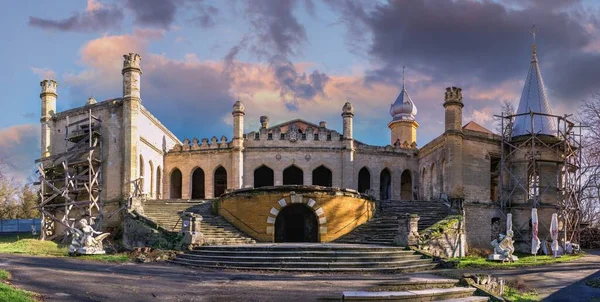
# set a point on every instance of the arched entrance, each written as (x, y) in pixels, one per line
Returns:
(385, 184)
(198, 184)
(220, 181)
(142, 180)
(175, 188)
(406, 186)
(364, 180)
(158, 183)
(263, 177)
(321, 176)
(293, 176)
(296, 223)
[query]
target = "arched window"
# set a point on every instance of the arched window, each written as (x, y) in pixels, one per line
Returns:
(220, 181)
(385, 184)
(424, 184)
(406, 185)
(175, 182)
(364, 180)
(321, 176)
(293, 175)
(158, 183)
(443, 184)
(151, 170)
(263, 177)
(433, 192)
(198, 184)
(141, 176)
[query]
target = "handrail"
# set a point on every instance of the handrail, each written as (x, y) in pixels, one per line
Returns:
(251, 228)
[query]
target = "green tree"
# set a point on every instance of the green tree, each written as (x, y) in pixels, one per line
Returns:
(29, 202)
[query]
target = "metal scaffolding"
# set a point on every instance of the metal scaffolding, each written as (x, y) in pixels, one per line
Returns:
(528, 159)
(71, 182)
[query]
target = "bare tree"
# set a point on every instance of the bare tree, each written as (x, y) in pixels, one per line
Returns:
(508, 108)
(589, 191)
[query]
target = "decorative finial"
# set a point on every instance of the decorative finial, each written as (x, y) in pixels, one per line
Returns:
(534, 53)
(403, 69)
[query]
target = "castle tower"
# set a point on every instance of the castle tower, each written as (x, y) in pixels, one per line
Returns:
(238, 144)
(403, 124)
(131, 108)
(48, 97)
(348, 179)
(453, 106)
(454, 141)
(347, 116)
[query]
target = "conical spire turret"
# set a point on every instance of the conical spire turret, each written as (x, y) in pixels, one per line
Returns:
(403, 108)
(534, 99)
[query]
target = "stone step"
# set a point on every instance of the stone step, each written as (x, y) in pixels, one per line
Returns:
(324, 263)
(305, 256)
(467, 299)
(415, 283)
(313, 247)
(304, 268)
(413, 295)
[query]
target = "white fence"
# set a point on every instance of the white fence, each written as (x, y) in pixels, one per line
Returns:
(19, 225)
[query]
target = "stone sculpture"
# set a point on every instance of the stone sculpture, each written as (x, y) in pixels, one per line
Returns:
(84, 242)
(503, 248)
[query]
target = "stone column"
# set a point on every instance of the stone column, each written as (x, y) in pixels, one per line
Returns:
(408, 230)
(131, 108)
(237, 166)
(48, 97)
(191, 227)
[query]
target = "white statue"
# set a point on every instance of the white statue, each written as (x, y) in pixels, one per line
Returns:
(504, 249)
(84, 242)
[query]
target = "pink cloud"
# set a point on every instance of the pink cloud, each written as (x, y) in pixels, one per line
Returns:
(44, 73)
(19, 147)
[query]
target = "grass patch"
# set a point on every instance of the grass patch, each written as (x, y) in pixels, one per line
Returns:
(513, 294)
(525, 260)
(12, 294)
(36, 247)
(16, 237)
(4, 275)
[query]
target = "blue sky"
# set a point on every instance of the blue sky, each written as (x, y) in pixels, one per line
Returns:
(290, 59)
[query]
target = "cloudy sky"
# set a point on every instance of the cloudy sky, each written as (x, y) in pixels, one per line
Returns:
(290, 59)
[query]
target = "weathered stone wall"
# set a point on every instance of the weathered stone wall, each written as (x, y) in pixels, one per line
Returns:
(154, 140)
(255, 212)
(139, 231)
(478, 223)
(445, 239)
(433, 176)
(396, 161)
(478, 152)
(110, 112)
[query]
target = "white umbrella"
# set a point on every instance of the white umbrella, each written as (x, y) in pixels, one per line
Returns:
(535, 241)
(508, 222)
(554, 233)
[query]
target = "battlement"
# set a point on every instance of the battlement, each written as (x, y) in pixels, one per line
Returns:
(453, 94)
(195, 144)
(132, 60)
(48, 86)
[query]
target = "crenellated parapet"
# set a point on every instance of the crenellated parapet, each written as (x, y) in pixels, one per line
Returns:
(204, 144)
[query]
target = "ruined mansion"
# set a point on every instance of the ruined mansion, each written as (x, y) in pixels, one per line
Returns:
(105, 153)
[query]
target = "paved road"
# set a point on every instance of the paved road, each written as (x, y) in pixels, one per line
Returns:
(66, 279)
(558, 282)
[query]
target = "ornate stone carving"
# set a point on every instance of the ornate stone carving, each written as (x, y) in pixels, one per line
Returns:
(131, 60)
(293, 132)
(278, 157)
(503, 248)
(84, 242)
(195, 145)
(453, 94)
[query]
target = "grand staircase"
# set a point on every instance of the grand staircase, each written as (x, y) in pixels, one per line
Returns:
(382, 228)
(306, 257)
(411, 288)
(216, 230)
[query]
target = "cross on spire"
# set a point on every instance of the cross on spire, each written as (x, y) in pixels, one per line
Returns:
(534, 47)
(403, 68)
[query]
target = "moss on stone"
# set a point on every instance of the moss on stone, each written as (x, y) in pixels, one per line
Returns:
(441, 227)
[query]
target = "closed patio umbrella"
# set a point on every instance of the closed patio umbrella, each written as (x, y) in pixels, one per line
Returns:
(554, 233)
(535, 241)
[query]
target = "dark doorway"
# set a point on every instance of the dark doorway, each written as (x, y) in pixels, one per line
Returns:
(263, 177)
(321, 176)
(175, 188)
(293, 176)
(406, 185)
(364, 180)
(220, 181)
(296, 223)
(385, 185)
(198, 184)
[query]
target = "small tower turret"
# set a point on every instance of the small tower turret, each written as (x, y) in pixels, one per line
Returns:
(453, 106)
(131, 75)
(238, 145)
(48, 97)
(238, 120)
(348, 116)
(131, 109)
(403, 124)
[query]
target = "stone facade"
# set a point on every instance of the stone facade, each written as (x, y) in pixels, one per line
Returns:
(462, 163)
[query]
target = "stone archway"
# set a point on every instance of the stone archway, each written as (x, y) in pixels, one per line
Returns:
(220, 181)
(263, 177)
(364, 180)
(296, 223)
(385, 184)
(198, 184)
(321, 176)
(293, 175)
(293, 200)
(175, 184)
(406, 186)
